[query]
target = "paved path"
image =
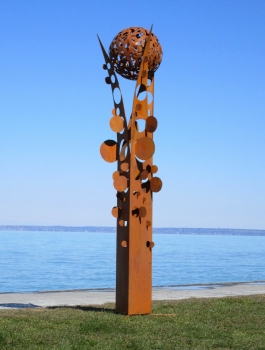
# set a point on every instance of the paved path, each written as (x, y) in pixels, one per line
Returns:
(99, 297)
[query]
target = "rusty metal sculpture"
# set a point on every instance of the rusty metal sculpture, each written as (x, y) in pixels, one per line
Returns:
(135, 54)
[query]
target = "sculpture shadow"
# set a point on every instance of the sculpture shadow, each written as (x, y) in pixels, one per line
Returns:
(84, 308)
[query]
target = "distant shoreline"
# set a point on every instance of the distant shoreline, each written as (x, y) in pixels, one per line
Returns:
(165, 230)
(194, 286)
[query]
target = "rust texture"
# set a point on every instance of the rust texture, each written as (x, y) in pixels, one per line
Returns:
(134, 179)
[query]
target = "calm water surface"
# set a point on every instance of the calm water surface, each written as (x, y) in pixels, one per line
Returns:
(37, 261)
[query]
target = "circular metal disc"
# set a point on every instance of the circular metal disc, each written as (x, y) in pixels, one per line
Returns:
(155, 184)
(109, 151)
(116, 212)
(125, 166)
(144, 148)
(154, 169)
(116, 123)
(151, 124)
(120, 183)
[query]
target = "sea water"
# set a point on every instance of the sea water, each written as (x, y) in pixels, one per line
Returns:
(38, 261)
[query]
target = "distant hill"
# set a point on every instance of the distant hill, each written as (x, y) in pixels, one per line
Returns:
(168, 230)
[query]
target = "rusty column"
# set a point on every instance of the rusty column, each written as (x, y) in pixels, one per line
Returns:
(135, 54)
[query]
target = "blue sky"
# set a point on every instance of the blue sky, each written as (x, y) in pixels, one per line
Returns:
(209, 101)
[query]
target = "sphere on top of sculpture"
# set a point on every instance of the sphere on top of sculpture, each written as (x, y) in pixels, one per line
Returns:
(126, 52)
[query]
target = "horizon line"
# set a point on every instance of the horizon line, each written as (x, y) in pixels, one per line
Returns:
(114, 227)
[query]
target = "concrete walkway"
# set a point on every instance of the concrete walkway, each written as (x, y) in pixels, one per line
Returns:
(99, 297)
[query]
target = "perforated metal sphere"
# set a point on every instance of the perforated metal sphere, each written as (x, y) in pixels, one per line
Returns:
(126, 52)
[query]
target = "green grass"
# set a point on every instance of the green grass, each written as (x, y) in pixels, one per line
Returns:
(225, 323)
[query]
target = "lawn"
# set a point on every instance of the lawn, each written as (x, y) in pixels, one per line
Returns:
(217, 323)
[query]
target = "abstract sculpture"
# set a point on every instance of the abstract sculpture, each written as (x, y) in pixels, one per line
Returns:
(135, 54)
